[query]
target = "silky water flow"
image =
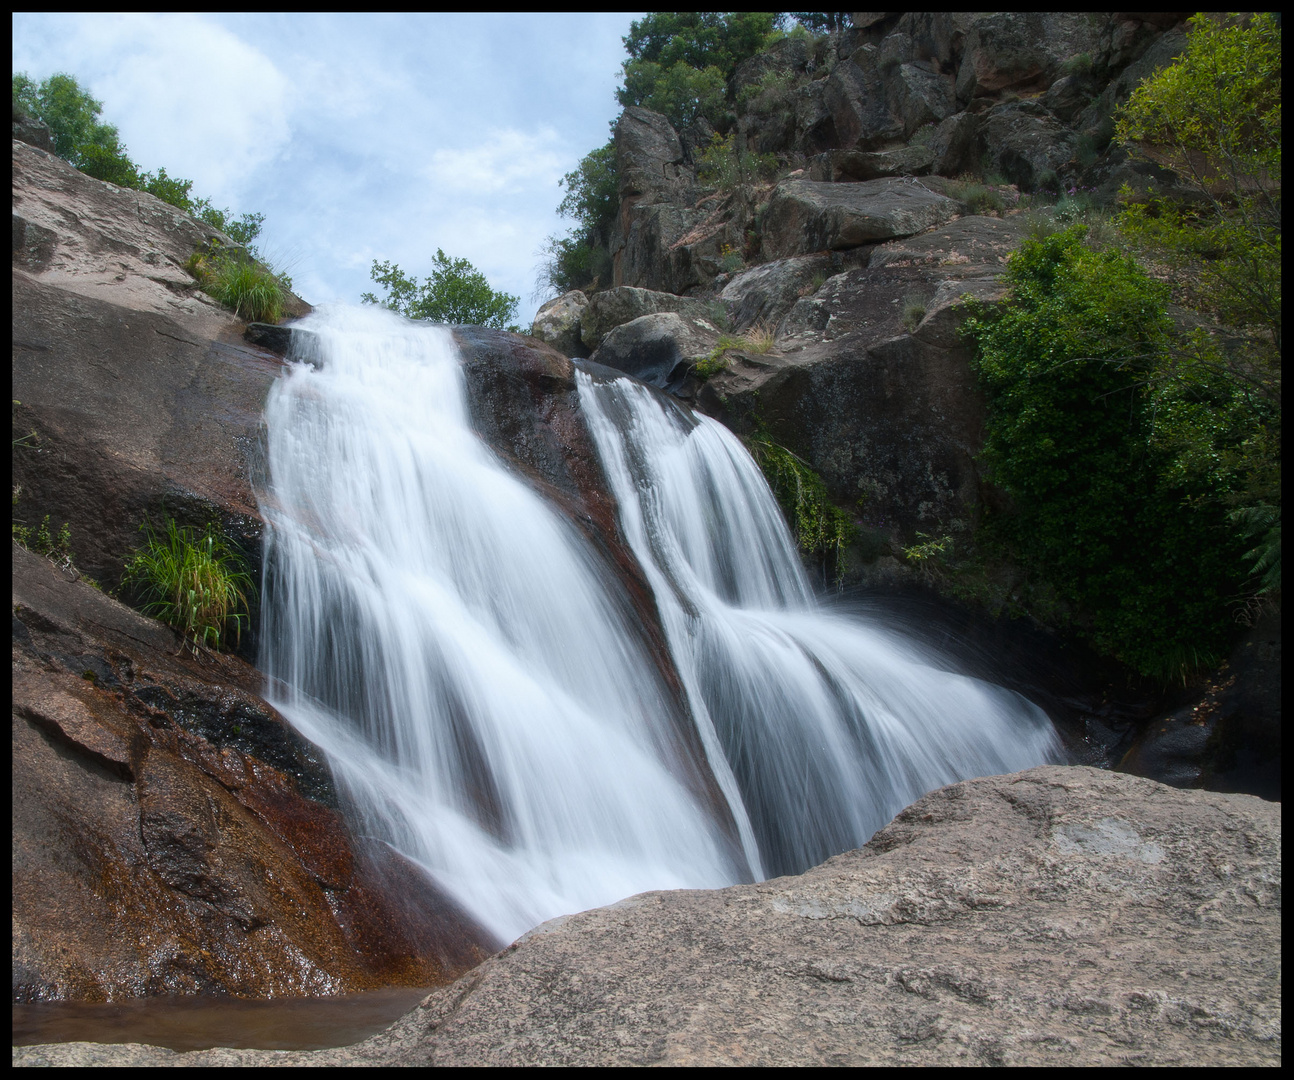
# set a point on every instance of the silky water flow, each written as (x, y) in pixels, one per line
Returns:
(485, 696)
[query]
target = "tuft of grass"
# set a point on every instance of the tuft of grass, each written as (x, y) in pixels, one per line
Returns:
(250, 290)
(758, 339)
(193, 581)
(914, 310)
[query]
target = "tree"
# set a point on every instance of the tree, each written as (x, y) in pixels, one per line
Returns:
(456, 293)
(71, 114)
(1214, 117)
(680, 61)
(592, 199)
(1119, 460)
(821, 22)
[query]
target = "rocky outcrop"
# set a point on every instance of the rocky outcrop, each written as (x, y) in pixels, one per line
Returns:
(804, 216)
(615, 307)
(557, 323)
(117, 361)
(172, 835)
(657, 349)
(1055, 916)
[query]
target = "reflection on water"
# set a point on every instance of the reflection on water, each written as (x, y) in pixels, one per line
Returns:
(200, 1023)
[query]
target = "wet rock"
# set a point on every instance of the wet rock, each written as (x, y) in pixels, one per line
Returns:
(158, 848)
(1062, 914)
(804, 216)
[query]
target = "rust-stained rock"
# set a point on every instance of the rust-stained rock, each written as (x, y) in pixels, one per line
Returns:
(1057, 916)
(173, 836)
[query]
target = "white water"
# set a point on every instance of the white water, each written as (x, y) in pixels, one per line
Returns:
(477, 679)
(830, 724)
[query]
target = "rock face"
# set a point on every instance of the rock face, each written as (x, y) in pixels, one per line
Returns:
(804, 216)
(117, 360)
(171, 835)
(1055, 916)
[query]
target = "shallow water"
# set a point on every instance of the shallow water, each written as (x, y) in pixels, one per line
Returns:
(199, 1023)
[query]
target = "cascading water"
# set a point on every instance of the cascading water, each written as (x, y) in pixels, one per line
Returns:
(831, 725)
(473, 672)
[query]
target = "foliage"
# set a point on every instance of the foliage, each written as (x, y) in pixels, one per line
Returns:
(40, 541)
(821, 22)
(728, 165)
(192, 580)
(582, 257)
(1120, 447)
(248, 289)
(72, 115)
(758, 339)
(680, 61)
(95, 148)
(914, 310)
(1214, 117)
(680, 93)
(456, 293)
(769, 94)
(820, 527)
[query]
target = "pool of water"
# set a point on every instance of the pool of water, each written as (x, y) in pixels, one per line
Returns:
(199, 1023)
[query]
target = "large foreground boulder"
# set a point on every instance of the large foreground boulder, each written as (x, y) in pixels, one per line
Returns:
(1058, 916)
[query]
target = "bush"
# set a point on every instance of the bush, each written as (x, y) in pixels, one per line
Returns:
(193, 581)
(758, 340)
(233, 278)
(456, 293)
(1120, 449)
(727, 164)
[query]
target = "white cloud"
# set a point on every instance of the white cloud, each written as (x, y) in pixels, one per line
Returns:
(505, 161)
(186, 94)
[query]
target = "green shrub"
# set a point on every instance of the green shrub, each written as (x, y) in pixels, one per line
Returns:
(455, 293)
(914, 310)
(770, 94)
(1121, 450)
(727, 164)
(193, 581)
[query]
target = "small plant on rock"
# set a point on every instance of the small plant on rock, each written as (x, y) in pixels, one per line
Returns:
(249, 289)
(914, 310)
(193, 581)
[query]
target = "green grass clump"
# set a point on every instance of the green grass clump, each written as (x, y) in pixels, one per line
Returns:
(758, 339)
(193, 581)
(914, 310)
(234, 279)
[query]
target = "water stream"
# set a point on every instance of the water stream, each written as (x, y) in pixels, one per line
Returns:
(471, 666)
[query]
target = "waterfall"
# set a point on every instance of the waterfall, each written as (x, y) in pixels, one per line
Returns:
(473, 671)
(830, 724)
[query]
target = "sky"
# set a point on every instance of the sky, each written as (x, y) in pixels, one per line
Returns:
(359, 137)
